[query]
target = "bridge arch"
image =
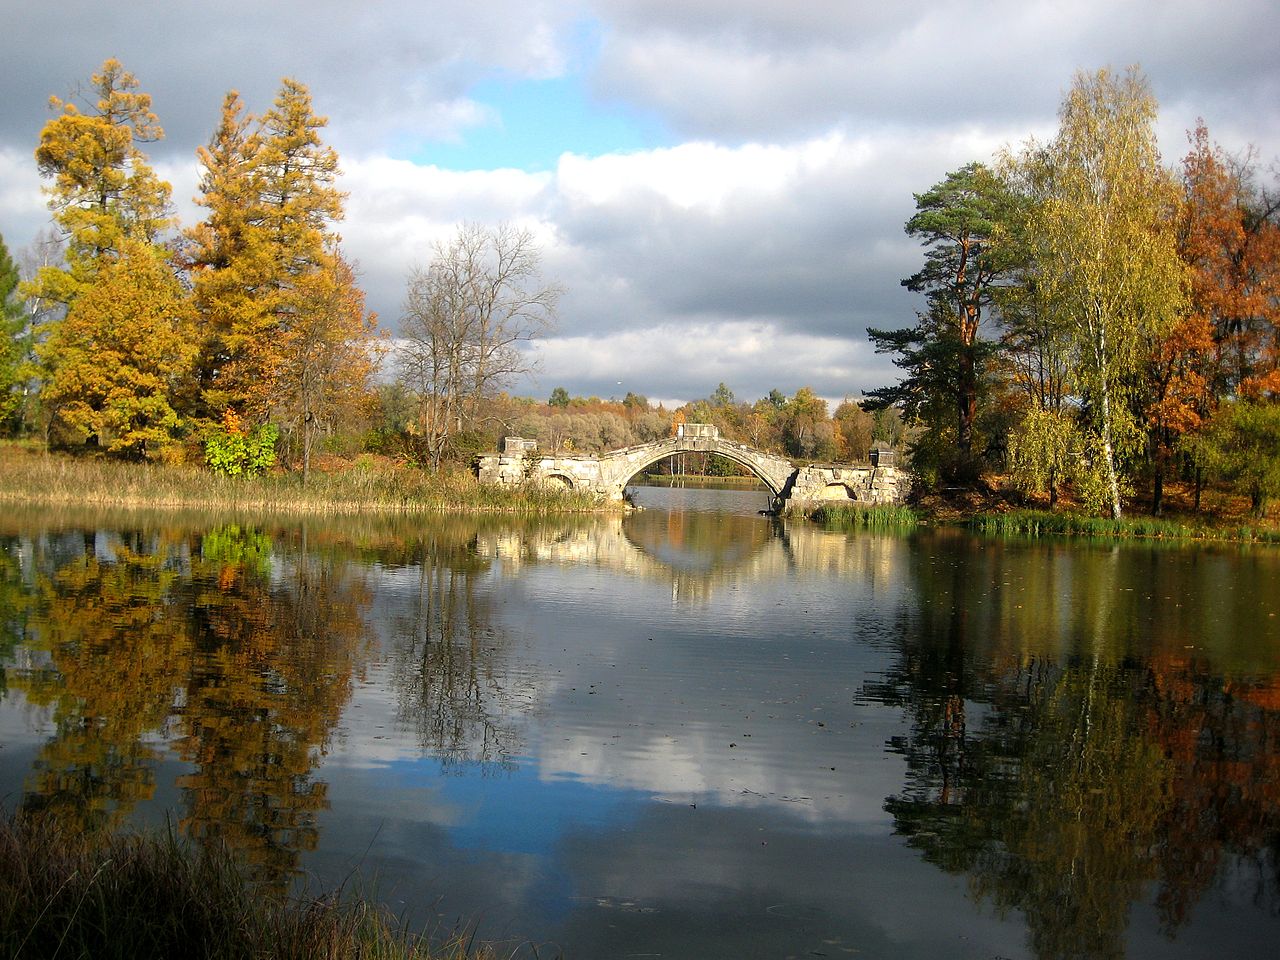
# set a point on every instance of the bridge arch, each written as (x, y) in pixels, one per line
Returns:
(676, 447)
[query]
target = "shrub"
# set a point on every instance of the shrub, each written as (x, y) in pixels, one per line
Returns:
(235, 451)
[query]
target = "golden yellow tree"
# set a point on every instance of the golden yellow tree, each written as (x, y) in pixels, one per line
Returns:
(264, 259)
(102, 190)
(119, 357)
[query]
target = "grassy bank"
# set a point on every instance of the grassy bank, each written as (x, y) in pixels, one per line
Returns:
(1039, 523)
(859, 516)
(68, 895)
(367, 485)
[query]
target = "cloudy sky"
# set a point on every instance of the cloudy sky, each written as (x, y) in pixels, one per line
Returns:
(720, 185)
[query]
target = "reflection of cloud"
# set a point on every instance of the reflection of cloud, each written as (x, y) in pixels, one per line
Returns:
(700, 766)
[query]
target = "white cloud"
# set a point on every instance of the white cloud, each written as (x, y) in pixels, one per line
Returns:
(802, 131)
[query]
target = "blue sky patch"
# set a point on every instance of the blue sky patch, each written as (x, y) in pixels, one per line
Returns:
(537, 120)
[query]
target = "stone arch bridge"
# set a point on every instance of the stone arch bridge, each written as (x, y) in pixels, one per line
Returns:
(609, 473)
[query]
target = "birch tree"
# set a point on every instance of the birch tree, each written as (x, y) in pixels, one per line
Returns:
(1105, 249)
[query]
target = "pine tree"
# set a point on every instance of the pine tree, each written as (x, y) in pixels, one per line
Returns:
(13, 340)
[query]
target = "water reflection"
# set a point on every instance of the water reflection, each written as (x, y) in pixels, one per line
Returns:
(674, 732)
(234, 651)
(1083, 727)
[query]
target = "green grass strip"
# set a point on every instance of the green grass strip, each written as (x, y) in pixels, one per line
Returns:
(865, 516)
(1040, 523)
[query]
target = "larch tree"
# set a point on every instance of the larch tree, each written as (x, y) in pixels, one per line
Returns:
(270, 188)
(102, 191)
(111, 210)
(118, 359)
(229, 261)
(1105, 248)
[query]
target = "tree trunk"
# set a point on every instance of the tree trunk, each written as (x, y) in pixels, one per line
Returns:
(966, 402)
(307, 420)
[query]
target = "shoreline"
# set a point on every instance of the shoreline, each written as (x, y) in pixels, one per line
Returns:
(379, 487)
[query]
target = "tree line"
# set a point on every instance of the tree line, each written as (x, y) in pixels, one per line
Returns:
(1096, 320)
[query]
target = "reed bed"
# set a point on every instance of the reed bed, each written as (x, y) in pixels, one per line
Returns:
(1039, 523)
(75, 896)
(886, 517)
(369, 485)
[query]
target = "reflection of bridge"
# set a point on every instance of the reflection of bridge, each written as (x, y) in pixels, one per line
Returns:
(614, 543)
(609, 473)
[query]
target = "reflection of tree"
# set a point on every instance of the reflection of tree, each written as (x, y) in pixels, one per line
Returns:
(15, 604)
(196, 640)
(1075, 787)
(450, 687)
(115, 652)
(272, 672)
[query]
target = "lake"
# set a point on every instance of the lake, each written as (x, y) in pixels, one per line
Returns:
(688, 732)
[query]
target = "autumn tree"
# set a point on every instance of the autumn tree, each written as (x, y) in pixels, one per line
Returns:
(807, 430)
(328, 357)
(269, 185)
(1104, 245)
(229, 261)
(853, 430)
(1230, 239)
(943, 354)
(102, 191)
(466, 317)
(119, 357)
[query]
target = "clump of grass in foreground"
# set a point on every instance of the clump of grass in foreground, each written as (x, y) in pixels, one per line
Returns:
(1039, 523)
(875, 516)
(367, 486)
(74, 896)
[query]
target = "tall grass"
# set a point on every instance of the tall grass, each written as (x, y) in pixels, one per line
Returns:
(862, 516)
(365, 486)
(1039, 523)
(73, 896)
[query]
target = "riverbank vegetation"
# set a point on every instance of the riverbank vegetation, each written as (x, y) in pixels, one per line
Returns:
(1042, 523)
(367, 484)
(890, 517)
(74, 894)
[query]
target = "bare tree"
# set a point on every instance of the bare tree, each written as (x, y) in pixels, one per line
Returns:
(466, 316)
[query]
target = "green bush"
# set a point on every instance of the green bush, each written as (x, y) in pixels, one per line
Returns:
(233, 451)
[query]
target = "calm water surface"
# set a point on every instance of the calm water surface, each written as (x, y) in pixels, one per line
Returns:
(693, 732)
